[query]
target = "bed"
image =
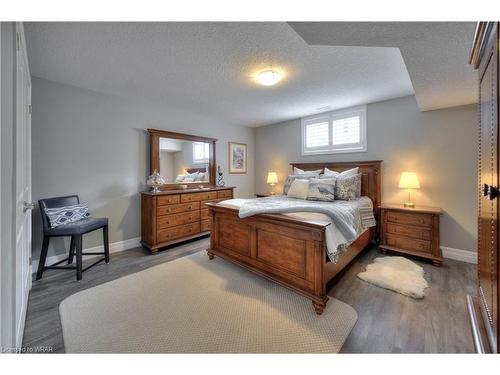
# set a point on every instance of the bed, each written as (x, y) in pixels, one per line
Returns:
(291, 250)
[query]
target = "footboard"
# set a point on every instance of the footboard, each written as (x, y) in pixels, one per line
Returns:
(287, 250)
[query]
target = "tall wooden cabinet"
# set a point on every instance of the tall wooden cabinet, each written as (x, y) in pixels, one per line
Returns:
(483, 308)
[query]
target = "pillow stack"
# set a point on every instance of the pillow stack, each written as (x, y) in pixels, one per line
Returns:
(326, 187)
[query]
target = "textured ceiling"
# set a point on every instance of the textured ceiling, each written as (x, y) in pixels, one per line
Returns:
(435, 54)
(209, 68)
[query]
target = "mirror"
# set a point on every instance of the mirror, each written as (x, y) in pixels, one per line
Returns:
(185, 161)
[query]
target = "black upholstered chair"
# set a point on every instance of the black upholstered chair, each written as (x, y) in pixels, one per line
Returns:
(74, 230)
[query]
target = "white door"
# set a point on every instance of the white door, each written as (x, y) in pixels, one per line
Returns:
(22, 184)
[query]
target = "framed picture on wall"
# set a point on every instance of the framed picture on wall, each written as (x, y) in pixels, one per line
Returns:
(237, 158)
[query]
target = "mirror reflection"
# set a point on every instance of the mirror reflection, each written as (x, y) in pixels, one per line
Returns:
(184, 162)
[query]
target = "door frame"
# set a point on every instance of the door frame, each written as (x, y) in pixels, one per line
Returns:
(22, 109)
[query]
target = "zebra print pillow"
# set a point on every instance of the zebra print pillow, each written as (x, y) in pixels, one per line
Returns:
(67, 214)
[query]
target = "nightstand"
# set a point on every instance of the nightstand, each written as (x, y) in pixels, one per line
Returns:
(413, 231)
(262, 195)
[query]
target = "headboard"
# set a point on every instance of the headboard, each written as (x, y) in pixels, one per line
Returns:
(193, 170)
(370, 179)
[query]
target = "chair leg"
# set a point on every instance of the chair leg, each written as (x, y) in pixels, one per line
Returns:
(106, 243)
(78, 250)
(71, 250)
(43, 257)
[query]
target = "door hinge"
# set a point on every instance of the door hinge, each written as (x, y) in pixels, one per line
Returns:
(18, 41)
(30, 109)
(31, 261)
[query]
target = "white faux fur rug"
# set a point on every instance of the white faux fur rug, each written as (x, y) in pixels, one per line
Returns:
(398, 274)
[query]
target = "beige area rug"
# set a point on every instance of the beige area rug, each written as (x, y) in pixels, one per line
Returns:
(398, 274)
(194, 305)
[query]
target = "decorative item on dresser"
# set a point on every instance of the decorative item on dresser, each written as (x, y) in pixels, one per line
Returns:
(413, 231)
(288, 250)
(173, 216)
(483, 308)
(176, 211)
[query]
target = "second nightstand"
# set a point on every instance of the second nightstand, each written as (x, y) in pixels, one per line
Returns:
(413, 231)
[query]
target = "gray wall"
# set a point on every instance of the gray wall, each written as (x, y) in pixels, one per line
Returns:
(95, 145)
(441, 146)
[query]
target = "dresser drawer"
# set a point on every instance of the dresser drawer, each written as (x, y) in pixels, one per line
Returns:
(409, 231)
(225, 194)
(206, 225)
(168, 199)
(170, 234)
(204, 214)
(408, 243)
(176, 208)
(196, 197)
(409, 218)
(177, 219)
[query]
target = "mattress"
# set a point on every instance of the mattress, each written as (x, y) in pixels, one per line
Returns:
(336, 243)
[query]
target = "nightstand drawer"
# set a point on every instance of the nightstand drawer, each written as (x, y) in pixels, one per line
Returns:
(408, 243)
(409, 231)
(409, 218)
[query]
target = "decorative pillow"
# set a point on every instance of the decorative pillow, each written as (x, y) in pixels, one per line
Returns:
(293, 177)
(347, 188)
(321, 189)
(301, 171)
(68, 214)
(180, 178)
(298, 189)
(329, 173)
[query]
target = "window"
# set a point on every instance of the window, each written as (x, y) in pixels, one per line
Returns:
(201, 152)
(335, 132)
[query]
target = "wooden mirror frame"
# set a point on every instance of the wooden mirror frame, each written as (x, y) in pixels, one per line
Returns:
(154, 154)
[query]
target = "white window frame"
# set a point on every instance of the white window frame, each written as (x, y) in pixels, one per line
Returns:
(204, 160)
(361, 146)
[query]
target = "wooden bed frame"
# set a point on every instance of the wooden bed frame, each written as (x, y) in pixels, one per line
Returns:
(291, 251)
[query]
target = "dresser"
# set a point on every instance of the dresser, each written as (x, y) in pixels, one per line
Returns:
(173, 216)
(413, 231)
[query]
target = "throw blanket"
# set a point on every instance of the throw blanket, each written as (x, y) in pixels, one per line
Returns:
(343, 214)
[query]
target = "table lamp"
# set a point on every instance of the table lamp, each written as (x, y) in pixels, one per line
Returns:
(408, 181)
(272, 179)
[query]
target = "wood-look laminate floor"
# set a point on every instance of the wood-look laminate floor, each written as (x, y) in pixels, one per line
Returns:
(387, 322)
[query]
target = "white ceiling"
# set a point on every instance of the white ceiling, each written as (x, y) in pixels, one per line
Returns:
(209, 68)
(435, 53)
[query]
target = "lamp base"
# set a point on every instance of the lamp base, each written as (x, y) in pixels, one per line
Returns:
(409, 205)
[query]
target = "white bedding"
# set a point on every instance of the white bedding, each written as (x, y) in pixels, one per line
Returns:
(335, 241)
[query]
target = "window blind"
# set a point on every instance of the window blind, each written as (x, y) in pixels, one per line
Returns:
(346, 131)
(317, 134)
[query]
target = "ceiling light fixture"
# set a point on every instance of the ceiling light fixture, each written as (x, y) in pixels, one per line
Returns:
(268, 77)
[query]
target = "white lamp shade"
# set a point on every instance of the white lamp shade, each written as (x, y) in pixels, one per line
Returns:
(409, 180)
(272, 178)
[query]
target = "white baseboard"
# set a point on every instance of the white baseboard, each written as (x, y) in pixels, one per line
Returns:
(460, 255)
(113, 248)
